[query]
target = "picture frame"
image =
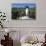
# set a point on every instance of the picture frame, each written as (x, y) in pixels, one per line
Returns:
(23, 11)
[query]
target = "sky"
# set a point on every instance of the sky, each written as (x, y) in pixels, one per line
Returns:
(30, 5)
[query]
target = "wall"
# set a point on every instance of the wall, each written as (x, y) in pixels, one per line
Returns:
(5, 6)
(25, 26)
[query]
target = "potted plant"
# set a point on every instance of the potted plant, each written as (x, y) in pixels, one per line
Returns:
(2, 18)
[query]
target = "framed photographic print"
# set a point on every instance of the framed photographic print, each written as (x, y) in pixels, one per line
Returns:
(23, 11)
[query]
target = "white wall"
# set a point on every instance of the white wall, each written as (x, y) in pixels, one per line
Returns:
(25, 26)
(5, 6)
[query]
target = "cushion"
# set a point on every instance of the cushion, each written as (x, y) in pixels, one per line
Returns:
(26, 39)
